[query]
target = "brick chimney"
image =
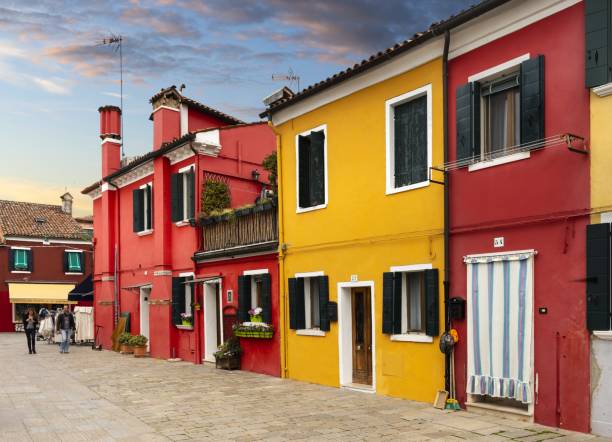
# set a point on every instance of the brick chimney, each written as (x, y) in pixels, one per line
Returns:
(67, 203)
(166, 116)
(110, 133)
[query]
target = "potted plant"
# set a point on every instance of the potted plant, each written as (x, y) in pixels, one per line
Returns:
(124, 341)
(187, 319)
(259, 330)
(227, 356)
(139, 345)
(255, 314)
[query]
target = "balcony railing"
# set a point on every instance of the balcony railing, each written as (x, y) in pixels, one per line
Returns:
(243, 231)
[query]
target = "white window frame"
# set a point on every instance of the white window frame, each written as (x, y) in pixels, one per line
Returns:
(82, 266)
(188, 292)
(145, 219)
(409, 336)
(31, 257)
(390, 137)
(254, 284)
(183, 171)
(309, 330)
(299, 209)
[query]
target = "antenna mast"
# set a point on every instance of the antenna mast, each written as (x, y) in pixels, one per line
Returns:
(116, 42)
(290, 76)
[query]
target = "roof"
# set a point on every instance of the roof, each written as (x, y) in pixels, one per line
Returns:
(436, 29)
(32, 220)
(197, 105)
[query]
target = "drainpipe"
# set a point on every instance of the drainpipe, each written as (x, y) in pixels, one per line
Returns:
(116, 266)
(195, 289)
(447, 322)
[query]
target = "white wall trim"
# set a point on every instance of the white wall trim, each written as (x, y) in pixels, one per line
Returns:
(186, 168)
(110, 140)
(411, 268)
(603, 91)
(179, 154)
(310, 332)
(256, 272)
(184, 274)
(51, 241)
(20, 271)
(145, 232)
(499, 69)
(309, 274)
(299, 209)
(131, 176)
(509, 252)
(21, 248)
(184, 119)
(412, 337)
(390, 137)
(164, 107)
(485, 164)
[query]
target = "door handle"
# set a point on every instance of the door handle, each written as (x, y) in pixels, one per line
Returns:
(358, 347)
(369, 348)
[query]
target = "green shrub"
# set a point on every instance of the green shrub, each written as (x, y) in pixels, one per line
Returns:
(270, 165)
(124, 338)
(229, 348)
(215, 197)
(138, 341)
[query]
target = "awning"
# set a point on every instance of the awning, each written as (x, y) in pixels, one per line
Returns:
(32, 293)
(205, 279)
(83, 291)
(137, 287)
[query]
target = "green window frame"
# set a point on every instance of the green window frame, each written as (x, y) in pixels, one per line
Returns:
(21, 261)
(73, 261)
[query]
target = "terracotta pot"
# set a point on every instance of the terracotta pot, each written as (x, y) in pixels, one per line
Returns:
(140, 351)
(126, 349)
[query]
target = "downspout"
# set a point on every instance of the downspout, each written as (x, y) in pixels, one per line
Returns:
(116, 260)
(447, 322)
(195, 289)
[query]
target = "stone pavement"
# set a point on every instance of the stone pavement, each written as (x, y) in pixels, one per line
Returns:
(88, 395)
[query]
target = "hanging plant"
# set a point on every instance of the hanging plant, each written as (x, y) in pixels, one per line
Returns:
(270, 165)
(215, 197)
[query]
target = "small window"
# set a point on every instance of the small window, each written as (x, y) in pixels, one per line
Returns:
(188, 300)
(413, 302)
(309, 302)
(312, 169)
(21, 260)
(256, 290)
(182, 300)
(183, 195)
(501, 115)
(73, 261)
(311, 306)
(143, 208)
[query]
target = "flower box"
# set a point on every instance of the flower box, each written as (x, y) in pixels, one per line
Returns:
(228, 362)
(244, 333)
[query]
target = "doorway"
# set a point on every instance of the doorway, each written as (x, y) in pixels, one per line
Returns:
(213, 333)
(356, 336)
(145, 293)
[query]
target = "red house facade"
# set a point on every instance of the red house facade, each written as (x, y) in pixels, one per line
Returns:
(145, 211)
(519, 198)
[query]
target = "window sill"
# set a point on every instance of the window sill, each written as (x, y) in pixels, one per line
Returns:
(183, 223)
(310, 209)
(145, 232)
(412, 337)
(394, 190)
(499, 161)
(603, 91)
(20, 271)
(310, 332)
(606, 335)
(73, 273)
(184, 327)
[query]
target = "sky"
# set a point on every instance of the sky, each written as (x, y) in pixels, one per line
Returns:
(54, 74)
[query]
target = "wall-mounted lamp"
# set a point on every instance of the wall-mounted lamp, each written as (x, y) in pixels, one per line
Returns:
(255, 174)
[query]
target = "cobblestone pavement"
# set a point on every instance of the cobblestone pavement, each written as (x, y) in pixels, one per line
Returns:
(87, 395)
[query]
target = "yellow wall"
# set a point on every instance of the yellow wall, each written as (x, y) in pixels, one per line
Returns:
(601, 155)
(364, 232)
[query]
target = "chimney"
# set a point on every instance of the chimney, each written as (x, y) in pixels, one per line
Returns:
(67, 203)
(166, 116)
(110, 133)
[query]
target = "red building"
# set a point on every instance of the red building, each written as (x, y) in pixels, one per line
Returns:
(145, 210)
(518, 211)
(44, 254)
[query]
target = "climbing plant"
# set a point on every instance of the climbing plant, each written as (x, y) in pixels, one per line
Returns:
(215, 196)
(269, 165)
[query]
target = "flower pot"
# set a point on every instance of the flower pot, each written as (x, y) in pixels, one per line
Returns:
(186, 323)
(126, 349)
(228, 362)
(256, 318)
(261, 334)
(140, 351)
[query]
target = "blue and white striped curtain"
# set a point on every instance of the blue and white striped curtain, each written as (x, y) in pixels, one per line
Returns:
(500, 325)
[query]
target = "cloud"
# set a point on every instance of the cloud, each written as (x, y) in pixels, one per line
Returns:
(114, 94)
(50, 86)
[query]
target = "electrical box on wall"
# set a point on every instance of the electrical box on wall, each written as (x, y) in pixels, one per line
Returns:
(457, 308)
(332, 311)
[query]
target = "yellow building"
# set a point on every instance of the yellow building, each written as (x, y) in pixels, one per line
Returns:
(362, 227)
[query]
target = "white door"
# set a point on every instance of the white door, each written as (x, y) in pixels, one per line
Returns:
(145, 292)
(212, 333)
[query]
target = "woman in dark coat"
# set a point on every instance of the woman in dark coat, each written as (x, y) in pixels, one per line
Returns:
(30, 326)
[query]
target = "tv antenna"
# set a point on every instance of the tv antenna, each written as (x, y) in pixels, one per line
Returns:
(116, 43)
(290, 76)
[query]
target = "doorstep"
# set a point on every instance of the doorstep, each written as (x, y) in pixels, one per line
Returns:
(361, 388)
(499, 411)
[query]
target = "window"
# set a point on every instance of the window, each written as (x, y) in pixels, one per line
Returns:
(73, 261)
(142, 208)
(501, 122)
(254, 290)
(181, 298)
(20, 259)
(311, 148)
(183, 195)
(598, 288)
(408, 140)
(410, 303)
(308, 301)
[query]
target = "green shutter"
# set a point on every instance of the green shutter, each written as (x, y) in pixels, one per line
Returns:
(432, 295)
(317, 168)
(244, 298)
(74, 261)
(304, 171)
(21, 260)
(266, 298)
(12, 259)
(598, 276)
(178, 300)
(176, 195)
(468, 121)
(292, 283)
(323, 301)
(137, 210)
(190, 193)
(410, 142)
(597, 40)
(398, 278)
(30, 260)
(149, 208)
(387, 312)
(300, 305)
(532, 99)
(66, 261)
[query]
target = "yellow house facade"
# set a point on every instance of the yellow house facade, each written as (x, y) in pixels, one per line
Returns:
(362, 230)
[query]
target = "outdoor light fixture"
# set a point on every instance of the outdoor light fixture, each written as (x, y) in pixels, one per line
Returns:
(255, 174)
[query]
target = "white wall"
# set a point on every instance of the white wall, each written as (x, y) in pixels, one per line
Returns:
(601, 386)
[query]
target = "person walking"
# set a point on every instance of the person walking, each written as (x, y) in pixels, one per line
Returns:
(65, 325)
(30, 325)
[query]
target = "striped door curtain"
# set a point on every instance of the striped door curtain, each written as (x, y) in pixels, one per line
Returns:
(500, 325)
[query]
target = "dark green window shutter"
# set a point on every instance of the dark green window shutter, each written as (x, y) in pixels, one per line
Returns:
(149, 208)
(190, 193)
(598, 276)
(304, 171)
(300, 304)
(176, 195)
(597, 40)
(137, 210)
(388, 296)
(65, 261)
(410, 142)
(83, 258)
(266, 298)
(532, 99)
(468, 121)
(323, 301)
(432, 295)
(244, 298)
(178, 300)
(30, 257)
(398, 278)
(12, 260)
(292, 303)
(317, 168)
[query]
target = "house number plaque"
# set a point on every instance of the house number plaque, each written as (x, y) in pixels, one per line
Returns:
(498, 242)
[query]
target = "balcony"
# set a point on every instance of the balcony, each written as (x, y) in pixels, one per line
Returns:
(242, 231)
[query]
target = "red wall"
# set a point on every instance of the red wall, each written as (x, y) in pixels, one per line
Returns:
(536, 203)
(198, 120)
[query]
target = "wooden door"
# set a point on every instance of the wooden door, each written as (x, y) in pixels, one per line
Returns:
(362, 336)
